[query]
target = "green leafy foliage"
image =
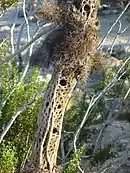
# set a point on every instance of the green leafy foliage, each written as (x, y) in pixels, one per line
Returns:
(5, 4)
(76, 112)
(8, 158)
(18, 140)
(75, 163)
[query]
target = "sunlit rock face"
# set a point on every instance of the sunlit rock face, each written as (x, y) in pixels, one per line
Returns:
(115, 3)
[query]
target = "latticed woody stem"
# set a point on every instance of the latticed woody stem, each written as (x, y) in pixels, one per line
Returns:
(74, 57)
(49, 131)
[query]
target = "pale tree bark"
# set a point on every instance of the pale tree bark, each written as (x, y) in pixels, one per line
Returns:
(75, 55)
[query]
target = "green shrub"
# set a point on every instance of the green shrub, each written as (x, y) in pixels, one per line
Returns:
(75, 163)
(19, 138)
(8, 158)
(5, 4)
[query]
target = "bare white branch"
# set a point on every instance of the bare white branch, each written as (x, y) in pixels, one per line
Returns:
(48, 28)
(117, 35)
(10, 123)
(96, 98)
(126, 95)
(26, 21)
(12, 32)
(24, 73)
(114, 24)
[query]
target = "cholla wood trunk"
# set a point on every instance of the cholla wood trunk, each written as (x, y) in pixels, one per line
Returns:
(75, 56)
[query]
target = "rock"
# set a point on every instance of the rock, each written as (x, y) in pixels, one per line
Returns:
(3, 35)
(113, 3)
(118, 51)
(107, 12)
(123, 169)
(117, 130)
(20, 14)
(33, 19)
(4, 28)
(111, 61)
(118, 135)
(119, 48)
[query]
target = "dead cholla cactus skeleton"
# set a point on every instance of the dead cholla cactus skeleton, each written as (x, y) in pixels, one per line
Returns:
(74, 57)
